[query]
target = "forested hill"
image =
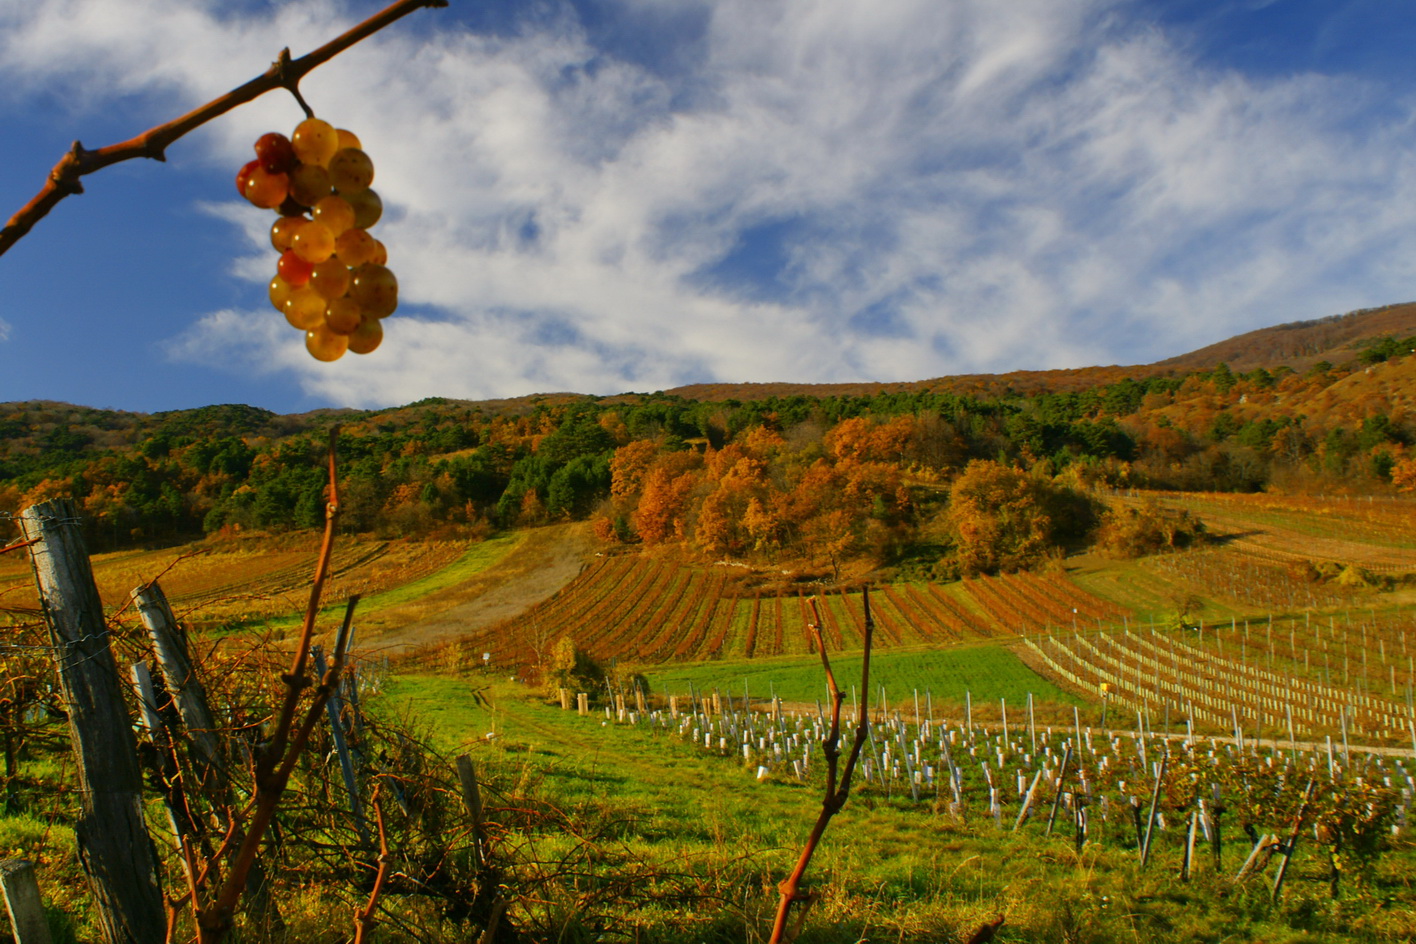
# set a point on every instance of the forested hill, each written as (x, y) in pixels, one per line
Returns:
(836, 470)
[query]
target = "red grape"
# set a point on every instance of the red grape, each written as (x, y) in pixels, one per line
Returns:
(243, 176)
(274, 152)
(293, 269)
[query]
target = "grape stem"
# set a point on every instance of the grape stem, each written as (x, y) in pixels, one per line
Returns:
(284, 73)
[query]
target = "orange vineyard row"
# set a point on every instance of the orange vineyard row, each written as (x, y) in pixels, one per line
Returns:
(641, 610)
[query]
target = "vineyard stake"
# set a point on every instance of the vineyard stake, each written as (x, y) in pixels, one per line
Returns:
(1189, 856)
(184, 687)
(472, 797)
(346, 761)
(23, 901)
(1057, 798)
(114, 846)
(1032, 724)
(1028, 800)
(164, 765)
(1154, 805)
(1292, 843)
(1216, 810)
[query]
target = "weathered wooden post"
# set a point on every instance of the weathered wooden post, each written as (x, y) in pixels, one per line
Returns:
(114, 847)
(564, 698)
(180, 679)
(334, 709)
(22, 900)
(582, 703)
(472, 797)
(182, 683)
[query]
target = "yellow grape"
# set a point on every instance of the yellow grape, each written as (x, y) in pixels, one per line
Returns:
(315, 141)
(325, 345)
(305, 308)
(343, 315)
(309, 184)
(368, 207)
(313, 242)
(375, 288)
(335, 212)
(283, 230)
(330, 278)
(380, 254)
(351, 170)
(354, 247)
(367, 337)
(348, 138)
(280, 292)
(266, 190)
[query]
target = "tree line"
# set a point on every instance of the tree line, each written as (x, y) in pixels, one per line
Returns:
(829, 477)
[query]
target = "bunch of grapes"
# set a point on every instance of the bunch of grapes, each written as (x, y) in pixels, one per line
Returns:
(332, 281)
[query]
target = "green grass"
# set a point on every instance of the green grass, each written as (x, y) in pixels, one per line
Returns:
(987, 673)
(478, 557)
(888, 869)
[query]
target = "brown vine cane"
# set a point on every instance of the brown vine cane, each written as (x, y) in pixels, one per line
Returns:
(285, 73)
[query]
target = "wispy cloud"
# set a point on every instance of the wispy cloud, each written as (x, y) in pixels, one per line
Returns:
(819, 190)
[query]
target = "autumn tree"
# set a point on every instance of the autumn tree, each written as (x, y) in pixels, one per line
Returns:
(1003, 519)
(1403, 474)
(664, 508)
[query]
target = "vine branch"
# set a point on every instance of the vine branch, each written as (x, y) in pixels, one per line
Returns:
(284, 73)
(835, 795)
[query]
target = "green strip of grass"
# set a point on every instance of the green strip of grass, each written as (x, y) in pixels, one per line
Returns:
(986, 673)
(477, 558)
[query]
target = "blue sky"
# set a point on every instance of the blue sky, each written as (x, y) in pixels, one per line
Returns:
(612, 195)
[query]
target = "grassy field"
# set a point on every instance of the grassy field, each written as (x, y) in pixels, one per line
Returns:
(984, 673)
(615, 833)
(889, 870)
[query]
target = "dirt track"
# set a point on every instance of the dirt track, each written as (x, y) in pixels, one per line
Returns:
(546, 560)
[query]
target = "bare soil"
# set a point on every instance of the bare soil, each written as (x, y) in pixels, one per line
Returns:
(548, 559)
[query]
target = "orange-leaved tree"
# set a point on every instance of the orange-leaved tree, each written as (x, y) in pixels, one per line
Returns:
(1004, 519)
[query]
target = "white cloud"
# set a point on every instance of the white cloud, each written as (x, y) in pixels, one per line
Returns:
(954, 187)
(5, 329)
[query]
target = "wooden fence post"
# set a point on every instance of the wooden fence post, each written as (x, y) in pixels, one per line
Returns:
(182, 683)
(180, 679)
(472, 797)
(334, 709)
(22, 900)
(114, 847)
